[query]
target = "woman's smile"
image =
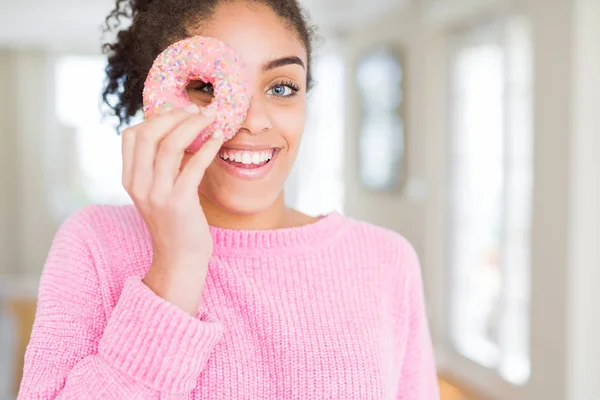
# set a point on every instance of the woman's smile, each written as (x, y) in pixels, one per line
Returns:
(248, 162)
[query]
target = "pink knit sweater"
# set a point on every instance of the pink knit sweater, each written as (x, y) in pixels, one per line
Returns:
(331, 310)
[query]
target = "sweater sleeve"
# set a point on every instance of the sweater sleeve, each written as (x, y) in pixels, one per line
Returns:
(146, 348)
(418, 379)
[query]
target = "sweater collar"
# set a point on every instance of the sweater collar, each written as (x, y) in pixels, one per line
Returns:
(295, 239)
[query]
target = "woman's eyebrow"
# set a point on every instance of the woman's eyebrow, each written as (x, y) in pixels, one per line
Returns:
(280, 62)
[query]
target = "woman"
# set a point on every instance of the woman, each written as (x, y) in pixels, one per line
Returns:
(209, 287)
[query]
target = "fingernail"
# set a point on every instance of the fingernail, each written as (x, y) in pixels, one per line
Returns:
(218, 134)
(166, 109)
(192, 108)
(209, 111)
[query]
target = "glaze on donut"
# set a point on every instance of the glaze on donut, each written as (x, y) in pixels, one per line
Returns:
(208, 60)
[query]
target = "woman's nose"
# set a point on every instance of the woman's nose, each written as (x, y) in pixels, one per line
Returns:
(258, 119)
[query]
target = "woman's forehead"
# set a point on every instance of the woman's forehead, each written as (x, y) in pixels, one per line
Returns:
(254, 32)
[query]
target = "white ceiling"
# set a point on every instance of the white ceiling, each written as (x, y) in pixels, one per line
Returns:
(349, 12)
(67, 25)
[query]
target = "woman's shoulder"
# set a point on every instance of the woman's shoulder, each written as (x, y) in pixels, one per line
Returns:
(96, 248)
(111, 217)
(381, 245)
(382, 239)
(110, 223)
(106, 222)
(111, 234)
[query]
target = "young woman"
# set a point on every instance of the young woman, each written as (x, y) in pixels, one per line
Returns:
(209, 287)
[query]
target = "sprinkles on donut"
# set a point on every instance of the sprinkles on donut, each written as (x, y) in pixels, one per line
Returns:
(208, 60)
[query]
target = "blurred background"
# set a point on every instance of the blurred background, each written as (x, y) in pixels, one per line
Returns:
(472, 127)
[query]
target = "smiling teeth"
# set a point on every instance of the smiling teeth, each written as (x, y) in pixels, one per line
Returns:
(247, 157)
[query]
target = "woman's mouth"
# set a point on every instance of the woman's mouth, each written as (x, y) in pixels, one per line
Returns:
(246, 159)
(248, 164)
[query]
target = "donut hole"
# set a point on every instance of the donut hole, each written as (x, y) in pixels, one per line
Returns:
(200, 93)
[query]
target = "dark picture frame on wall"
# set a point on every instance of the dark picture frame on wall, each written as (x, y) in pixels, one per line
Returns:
(380, 80)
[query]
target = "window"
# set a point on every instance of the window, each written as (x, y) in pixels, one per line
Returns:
(88, 151)
(491, 175)
(316, 185)
(379, 77)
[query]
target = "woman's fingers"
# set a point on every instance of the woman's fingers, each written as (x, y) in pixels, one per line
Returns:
(171, 151)
(148, 136)
(127, 152)
(190, 177)
(167, 121)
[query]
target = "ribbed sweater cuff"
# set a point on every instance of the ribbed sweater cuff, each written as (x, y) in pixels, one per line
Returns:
(156, 342)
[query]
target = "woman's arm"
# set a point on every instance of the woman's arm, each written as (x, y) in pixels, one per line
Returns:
(146, 348)
(418, 379)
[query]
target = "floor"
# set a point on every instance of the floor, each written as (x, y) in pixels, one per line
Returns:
(450, 392)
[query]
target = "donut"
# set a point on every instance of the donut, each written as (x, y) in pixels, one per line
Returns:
(208, 60)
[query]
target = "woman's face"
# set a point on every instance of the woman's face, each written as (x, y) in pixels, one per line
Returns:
(277, 62)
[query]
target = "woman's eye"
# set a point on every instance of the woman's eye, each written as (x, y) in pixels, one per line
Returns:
(282, 91)
(203, 87)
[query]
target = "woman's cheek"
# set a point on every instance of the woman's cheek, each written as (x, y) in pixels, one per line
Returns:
(290, 122)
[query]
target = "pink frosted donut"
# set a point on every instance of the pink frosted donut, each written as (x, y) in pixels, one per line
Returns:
(208, 60)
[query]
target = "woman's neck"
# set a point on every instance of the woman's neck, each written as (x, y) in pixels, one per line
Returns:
(275, 217)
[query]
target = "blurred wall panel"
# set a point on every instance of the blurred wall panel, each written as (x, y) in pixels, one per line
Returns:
(9, 186)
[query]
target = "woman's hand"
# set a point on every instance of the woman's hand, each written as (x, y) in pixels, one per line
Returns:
(166, 194)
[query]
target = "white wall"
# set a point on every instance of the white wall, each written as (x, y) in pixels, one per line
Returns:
(402, 210)
(583, 361)
(552, 40)
(8, 185)
(27, 227)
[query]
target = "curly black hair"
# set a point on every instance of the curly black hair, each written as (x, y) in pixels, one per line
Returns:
(154, 25)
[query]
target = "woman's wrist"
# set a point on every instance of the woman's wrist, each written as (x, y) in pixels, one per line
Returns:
(177, 286)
